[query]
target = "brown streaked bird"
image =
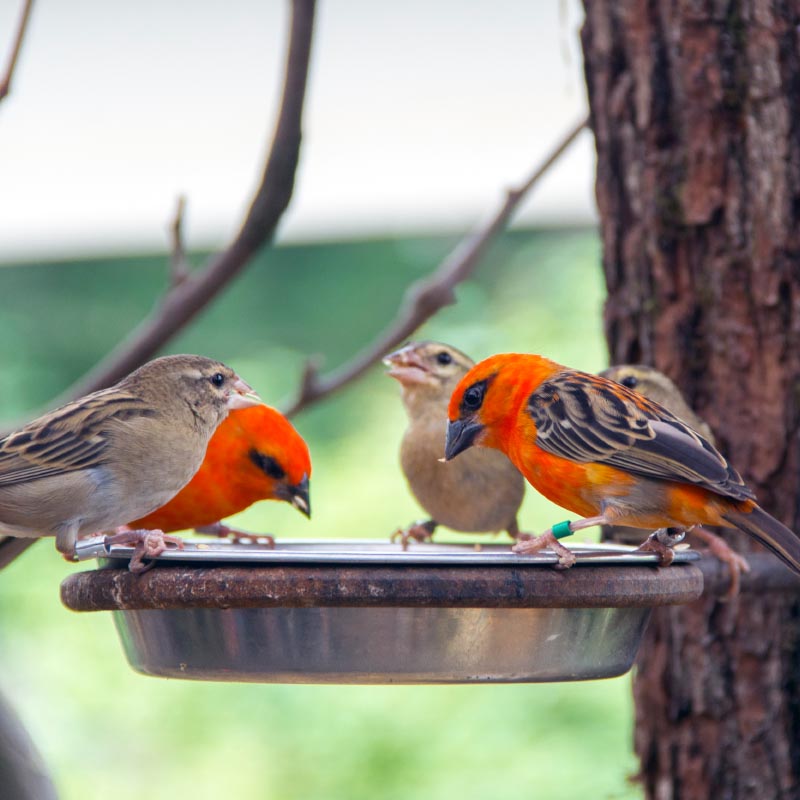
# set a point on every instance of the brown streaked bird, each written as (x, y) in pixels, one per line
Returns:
(479, 494)
(604, 452)
(657, 386)
(117, 454)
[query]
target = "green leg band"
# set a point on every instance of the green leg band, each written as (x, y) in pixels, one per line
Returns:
(561, 529)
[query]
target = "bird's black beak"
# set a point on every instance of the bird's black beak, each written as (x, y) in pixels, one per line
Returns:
(299, 497)
(461, 434)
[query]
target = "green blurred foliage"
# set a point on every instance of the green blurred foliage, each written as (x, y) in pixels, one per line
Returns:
(107, 731)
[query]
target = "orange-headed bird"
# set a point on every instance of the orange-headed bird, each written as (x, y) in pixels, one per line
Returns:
(254, 455)
(604, 452)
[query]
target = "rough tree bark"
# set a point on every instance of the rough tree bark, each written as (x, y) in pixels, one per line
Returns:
(695, 108)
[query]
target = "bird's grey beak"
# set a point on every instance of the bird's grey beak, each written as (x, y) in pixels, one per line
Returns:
(461, 434)
(243, 396)
(300, 497)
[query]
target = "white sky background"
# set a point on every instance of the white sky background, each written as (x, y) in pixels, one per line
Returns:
(418, 115)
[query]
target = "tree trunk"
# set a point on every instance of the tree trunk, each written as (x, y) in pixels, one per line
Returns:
(696, 113)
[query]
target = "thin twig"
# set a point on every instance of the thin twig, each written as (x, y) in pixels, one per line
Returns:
(5, 82)
(183, 301)
(425, 297)
(178, 265)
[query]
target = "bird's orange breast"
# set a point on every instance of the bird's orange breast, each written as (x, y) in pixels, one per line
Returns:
(226, 483)
(580, 488)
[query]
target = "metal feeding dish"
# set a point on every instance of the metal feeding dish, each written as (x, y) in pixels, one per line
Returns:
(362, 611)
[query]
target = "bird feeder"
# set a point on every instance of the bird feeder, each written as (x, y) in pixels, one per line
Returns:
(363, 611)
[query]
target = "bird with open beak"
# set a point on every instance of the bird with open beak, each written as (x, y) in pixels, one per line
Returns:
(481, 492)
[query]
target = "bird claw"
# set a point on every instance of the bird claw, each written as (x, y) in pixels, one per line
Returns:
(546, 540)
(419, 532)
(721, 550)
(147, 544)
(661, 543)
(236, 535)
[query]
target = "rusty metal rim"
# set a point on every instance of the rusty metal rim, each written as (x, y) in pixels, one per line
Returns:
(390, 586)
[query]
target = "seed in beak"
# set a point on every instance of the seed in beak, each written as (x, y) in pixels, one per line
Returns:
(243, 396)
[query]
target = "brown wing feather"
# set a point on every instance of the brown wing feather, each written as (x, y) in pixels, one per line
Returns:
(72, 437)
(585, 418)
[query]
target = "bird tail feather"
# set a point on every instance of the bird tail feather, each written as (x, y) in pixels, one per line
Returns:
(771, 533)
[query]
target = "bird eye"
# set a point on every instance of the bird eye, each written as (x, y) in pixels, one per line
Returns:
(473, 397)
(631, 381)
(444, 358)
(268, 465)
(217, 379)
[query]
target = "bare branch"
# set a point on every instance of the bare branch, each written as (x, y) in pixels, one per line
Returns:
(427, 296)
(187, 297)
(184, 300)
(421, 301)
(309, 388)
(5, 81)
(179, 265)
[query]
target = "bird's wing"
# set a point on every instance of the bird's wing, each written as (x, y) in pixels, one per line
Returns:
(72, 437)
(585, 418)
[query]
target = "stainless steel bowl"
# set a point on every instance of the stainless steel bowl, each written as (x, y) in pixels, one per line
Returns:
(368, 612)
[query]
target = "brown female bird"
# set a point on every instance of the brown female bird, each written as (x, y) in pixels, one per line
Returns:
(657, 386)
(482, 492)
(116, 454)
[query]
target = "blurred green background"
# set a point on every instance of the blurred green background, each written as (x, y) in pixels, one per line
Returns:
(106, 731)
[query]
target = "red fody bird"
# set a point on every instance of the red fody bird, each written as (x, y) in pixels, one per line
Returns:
(604, 452)
(255, 454)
